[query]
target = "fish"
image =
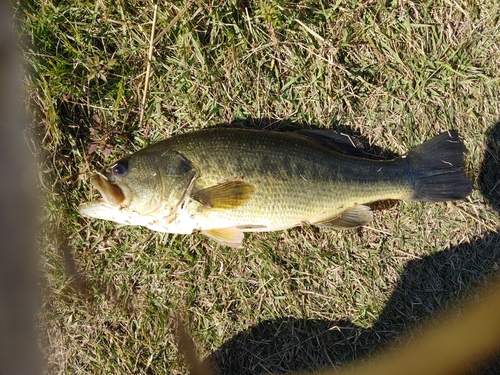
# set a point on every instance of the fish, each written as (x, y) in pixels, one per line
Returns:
(223, 182)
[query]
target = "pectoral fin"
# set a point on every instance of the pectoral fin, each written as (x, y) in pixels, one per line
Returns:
(232, 237)
(229, 194)
(351, 218)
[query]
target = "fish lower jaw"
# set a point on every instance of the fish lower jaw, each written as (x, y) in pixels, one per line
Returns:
(101, 209)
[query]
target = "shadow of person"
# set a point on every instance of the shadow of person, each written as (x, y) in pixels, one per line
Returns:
(427, 286)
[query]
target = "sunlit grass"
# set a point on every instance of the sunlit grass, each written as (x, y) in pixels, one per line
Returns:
(396, 73)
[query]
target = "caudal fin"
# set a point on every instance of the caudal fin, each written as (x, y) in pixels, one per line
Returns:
(438, 167)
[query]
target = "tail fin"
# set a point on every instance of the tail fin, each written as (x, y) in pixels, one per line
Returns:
(438, 167)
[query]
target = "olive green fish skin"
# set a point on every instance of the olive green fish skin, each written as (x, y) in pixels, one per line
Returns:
(223, 182)
(295, 179)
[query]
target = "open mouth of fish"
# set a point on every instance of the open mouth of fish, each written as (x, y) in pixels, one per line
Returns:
(110, 206)
(111, 194)
(113, 206)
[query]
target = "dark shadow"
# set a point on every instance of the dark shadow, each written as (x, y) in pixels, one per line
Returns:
(489, 177)
(270, 348)
(425, 288)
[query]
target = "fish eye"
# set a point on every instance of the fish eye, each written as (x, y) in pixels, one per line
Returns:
(120, 169)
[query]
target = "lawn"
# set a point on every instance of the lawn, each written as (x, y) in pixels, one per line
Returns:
(391, 74)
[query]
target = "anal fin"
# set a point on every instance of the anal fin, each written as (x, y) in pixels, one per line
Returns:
(350, 218)
(232, 237)
(229, 194)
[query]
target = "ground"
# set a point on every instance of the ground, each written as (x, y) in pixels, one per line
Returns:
(391, 74)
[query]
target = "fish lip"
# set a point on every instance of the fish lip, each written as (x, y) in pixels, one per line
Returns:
(111, 193)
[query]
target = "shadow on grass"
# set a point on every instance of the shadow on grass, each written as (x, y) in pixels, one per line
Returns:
(427, 286)
(489, 177)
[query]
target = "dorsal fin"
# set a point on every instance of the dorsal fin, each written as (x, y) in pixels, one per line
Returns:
(339, 142)
(333, 140)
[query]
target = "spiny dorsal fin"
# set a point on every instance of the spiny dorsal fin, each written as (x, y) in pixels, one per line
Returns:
(333, 140)
(350, 218)
(229, 194)
(339, 142)
(232, 237)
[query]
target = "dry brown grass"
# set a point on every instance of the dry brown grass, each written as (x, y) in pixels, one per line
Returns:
(395, 73)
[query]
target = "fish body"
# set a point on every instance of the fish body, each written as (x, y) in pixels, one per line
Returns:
(223, 182)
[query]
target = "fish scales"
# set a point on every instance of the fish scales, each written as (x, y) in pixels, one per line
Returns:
(295, 179)
(223, 182)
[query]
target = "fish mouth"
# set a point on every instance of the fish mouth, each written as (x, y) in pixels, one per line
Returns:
(111, 193)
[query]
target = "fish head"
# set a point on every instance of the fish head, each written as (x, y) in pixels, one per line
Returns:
(145, 183)
(131, 184)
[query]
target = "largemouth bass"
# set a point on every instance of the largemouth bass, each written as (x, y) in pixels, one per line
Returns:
(224, 182)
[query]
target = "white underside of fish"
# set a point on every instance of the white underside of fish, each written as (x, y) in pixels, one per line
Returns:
(179, 222)
(101, 209)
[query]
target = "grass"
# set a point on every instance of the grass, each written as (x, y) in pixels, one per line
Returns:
(395, 73)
